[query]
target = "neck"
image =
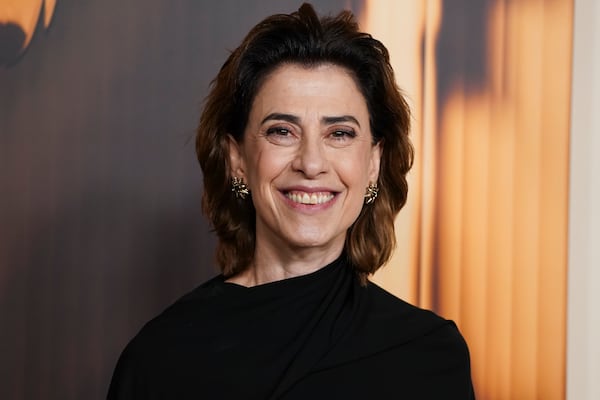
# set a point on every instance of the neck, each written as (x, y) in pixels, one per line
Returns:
(271, 263)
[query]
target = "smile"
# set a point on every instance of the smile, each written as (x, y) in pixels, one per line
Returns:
(310, 198)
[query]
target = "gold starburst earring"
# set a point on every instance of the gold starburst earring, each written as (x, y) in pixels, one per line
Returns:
(371, 194)
(239, 188)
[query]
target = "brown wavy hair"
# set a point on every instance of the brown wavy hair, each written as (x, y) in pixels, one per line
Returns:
(303, 38)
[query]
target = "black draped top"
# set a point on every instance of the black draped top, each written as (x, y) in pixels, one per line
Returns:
(317, 336)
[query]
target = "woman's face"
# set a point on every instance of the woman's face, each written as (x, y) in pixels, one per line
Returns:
(307, 157)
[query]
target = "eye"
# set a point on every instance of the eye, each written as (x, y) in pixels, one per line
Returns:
(277, 130)
(341, 137)
(343, 133)
(280, 135)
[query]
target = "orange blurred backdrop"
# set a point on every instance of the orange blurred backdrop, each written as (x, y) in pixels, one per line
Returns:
(483, 240)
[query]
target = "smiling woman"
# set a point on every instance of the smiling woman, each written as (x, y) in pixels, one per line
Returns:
(307, 162)
(304, 146)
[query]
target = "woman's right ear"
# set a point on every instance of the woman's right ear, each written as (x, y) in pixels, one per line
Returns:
(236, 160)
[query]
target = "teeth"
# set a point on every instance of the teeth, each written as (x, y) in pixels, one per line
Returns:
(312, 198)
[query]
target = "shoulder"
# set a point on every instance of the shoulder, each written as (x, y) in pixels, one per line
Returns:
(190, 310)
(424, 330)
(160, 343)
(390, 309)
(392, 341)
(433, 349)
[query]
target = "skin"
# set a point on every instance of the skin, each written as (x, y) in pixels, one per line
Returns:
(307, 157)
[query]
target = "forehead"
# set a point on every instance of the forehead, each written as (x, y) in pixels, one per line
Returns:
(327, 87)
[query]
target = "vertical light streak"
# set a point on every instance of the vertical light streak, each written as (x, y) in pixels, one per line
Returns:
(401, 27)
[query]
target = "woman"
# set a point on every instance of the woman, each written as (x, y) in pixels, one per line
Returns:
(304, 146)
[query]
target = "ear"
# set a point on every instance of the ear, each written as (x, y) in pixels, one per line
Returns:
(376, 153)
(236, 160)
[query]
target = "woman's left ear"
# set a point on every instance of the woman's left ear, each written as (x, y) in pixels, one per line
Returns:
(376, 153)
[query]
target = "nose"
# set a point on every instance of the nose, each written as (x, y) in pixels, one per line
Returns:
(310, 158)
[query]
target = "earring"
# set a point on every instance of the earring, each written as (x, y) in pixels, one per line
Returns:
(239, 188)
(371, 194)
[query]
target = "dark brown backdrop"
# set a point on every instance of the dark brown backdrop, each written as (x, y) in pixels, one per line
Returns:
(100, 227)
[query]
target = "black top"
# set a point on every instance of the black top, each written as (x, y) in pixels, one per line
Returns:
(316, 336)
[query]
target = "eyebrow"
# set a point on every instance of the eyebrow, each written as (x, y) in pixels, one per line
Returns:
(337, 120)
(282, 117)
(296, 120)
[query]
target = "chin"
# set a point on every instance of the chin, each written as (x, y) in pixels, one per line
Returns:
(320, 242)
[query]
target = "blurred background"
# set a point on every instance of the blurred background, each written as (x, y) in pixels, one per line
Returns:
(100, 222)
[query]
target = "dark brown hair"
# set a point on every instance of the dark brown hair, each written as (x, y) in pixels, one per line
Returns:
(304, 38)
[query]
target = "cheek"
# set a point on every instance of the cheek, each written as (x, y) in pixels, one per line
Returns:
(264, 165)
(354, 168)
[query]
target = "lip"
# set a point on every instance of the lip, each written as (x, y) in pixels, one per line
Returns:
(299, 190)
(308, 189)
